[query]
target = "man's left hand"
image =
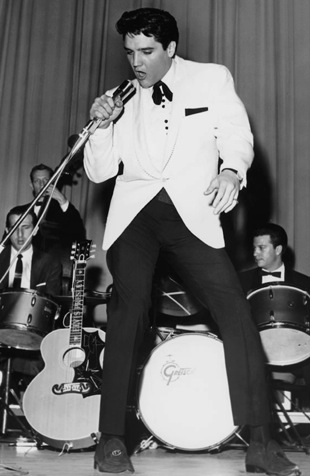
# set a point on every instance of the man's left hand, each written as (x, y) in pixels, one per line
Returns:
(57, 195)
(224, 191)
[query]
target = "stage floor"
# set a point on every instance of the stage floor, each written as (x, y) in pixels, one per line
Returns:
(17, 459)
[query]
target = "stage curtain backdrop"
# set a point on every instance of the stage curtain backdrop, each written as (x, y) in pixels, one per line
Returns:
(56, 56)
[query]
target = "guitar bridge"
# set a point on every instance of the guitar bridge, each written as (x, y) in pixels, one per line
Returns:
(83, 387)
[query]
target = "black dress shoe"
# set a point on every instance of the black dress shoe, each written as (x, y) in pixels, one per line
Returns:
(269, 459)
(111, 456)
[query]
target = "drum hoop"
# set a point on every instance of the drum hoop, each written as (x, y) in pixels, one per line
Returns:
(277, 286)
(25, 328)
(185, 334)
(29, 291)
(282, 324)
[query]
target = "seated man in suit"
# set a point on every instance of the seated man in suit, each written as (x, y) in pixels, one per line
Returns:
(62, 224)
(39, 270)
(269, 247)
(33, 269)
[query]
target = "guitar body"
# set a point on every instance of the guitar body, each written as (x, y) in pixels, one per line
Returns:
(62, 402)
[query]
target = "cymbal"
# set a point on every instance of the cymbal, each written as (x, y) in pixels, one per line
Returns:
(93, 298)
(174, 301)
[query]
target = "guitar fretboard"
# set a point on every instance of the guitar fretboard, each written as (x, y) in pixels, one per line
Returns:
(78, 305)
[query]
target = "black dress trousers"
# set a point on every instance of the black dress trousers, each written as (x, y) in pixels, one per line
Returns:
(211, 278)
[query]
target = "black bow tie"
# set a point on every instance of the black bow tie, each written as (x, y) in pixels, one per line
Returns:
(275, 274)
(161, 89)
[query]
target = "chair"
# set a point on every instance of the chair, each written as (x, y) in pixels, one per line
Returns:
(288, 413)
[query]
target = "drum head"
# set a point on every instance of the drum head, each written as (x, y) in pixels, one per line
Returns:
(183, 397)
(285, 345)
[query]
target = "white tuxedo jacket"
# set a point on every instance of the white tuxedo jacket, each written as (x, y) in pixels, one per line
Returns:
(208, 122)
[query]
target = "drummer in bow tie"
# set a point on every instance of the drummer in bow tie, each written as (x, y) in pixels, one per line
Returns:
(269, 251)
(270, 244)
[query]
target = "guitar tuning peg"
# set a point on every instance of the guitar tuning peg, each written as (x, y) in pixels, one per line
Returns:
(73, 250)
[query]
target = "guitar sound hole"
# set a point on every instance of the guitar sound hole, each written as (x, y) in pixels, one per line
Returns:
(74, 357)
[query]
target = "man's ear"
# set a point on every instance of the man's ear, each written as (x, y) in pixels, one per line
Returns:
(5, 233)
(279, 250)
(171, 48)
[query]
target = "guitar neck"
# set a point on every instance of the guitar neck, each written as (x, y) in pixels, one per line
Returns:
(78, 305)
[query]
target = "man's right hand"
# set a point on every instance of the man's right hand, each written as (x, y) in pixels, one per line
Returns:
(107, 109)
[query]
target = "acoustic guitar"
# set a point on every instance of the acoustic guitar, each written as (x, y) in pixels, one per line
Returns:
(62, 402)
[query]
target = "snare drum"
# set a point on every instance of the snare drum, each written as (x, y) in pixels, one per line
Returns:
(281, 313)
(183, 393)
(25, 318)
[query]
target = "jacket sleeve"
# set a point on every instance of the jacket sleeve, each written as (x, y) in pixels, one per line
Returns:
(73, 223)
(53, 278)
(46, 273)
(233, 134)
(101, 159)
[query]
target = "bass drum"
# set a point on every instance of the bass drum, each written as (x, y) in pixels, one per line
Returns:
(25, 318)
(183, 396)
(281, 313)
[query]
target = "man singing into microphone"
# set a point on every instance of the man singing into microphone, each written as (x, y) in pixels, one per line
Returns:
(169, 198)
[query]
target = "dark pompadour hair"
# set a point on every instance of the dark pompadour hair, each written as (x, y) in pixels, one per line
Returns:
(151, 22)
(277, 234)
(19, 210)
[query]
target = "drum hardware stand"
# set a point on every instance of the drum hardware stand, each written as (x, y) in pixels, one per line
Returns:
(160, 334)
(146, 444)
(7, 410)
(298, 444)
(244, 444)
(151, 443)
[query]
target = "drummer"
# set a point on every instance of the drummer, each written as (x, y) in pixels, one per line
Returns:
(39, 270)
(269, 249)
(33, 270)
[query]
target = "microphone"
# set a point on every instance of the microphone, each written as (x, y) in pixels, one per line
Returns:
(125, 91)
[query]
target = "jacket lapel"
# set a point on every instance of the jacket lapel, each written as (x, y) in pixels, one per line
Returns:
(178, 109)
(35, 268)
(4, 265)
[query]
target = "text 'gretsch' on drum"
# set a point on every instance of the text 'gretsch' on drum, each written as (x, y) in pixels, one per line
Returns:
(26, 316)
(281, 313)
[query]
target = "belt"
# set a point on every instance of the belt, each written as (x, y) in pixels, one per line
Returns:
(163, 196)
